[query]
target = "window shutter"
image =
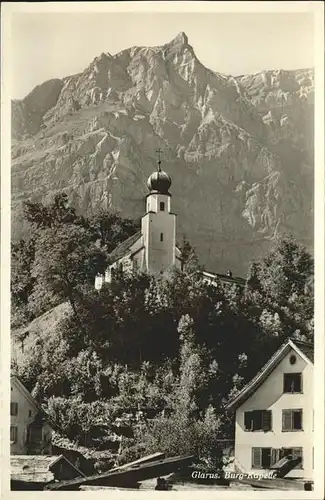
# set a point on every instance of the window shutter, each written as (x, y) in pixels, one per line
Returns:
(285, 383)
(256, 457)
(274, 456)
(13, 434)
(266, 457)
(297, 419)
(297, 452)
(248, 420)
(267, 420)
(278, 454)
(286, 420)
(13, 408)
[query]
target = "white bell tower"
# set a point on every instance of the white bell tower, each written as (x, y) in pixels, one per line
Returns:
(159, 224)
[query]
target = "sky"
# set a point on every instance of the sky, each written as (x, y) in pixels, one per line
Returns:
(55, 45)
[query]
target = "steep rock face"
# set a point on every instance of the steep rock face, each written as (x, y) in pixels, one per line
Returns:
(239, 150)
(28, 113)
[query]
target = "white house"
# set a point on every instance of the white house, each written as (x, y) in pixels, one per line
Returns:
(274, 412)
(30, 430)
(153, 249)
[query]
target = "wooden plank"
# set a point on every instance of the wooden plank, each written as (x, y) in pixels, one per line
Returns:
(274, 484)
(285, 465)
(105, 488)
(16, 485)
(128, 476)
(148, 458)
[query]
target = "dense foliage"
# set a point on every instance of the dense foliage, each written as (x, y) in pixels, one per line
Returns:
(63, 255)
(147, 363)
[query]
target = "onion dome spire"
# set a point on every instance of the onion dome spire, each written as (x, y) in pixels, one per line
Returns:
(160, 181)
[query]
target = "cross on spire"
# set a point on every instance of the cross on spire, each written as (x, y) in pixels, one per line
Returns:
(159, 152)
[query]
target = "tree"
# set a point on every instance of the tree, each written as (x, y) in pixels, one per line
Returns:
(191, 427)
(87, 424)
(65, 260)
(110, 229)
(22, 281)
(57, 212)
(192, 373)
(190, 260)
(279, 290)
(285, 270)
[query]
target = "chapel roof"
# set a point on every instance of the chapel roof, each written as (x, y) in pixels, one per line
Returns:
(122, 249)
(159, 182)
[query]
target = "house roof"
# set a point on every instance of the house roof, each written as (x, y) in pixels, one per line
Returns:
(307, 348)
(64, 458)
(32, 468)
(303, 349)
(121, 250)
(37, 468)
(15, 379)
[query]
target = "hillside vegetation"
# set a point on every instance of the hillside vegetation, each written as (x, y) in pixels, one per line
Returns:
(144, 364)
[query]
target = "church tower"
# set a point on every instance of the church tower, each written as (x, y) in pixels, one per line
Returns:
(158, 225)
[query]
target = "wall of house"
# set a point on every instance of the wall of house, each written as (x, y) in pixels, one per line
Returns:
(44, 446)
(25, 415)
(270, 396)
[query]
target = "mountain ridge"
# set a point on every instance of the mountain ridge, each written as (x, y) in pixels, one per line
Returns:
(239, 149)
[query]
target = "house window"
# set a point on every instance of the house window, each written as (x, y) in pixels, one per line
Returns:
(258, 420)
(13, 434)
(162, 206)
(293, 452)
(261, 458)
(292, 382)
(291, 420)
(13, 408)
(29, 413)
(161, 237)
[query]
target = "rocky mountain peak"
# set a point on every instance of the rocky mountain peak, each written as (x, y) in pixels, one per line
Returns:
(239, 150)
(180, 39)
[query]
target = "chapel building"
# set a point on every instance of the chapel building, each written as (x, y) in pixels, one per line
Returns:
(153, 249)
